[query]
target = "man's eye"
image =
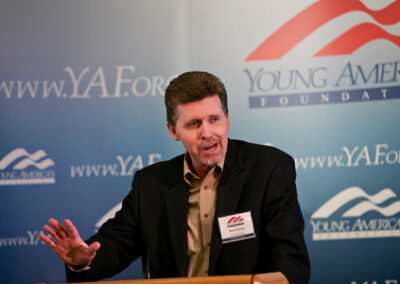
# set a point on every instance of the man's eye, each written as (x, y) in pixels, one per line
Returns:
(192, 124)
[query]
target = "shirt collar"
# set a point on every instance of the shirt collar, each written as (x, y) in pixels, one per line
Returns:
(189, 176)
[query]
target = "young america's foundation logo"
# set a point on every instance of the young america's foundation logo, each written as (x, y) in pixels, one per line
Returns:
(327, 28)
(20, 167)
(320, 13)
(354, 214)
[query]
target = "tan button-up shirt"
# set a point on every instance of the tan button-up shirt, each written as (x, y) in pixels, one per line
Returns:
(203, 194)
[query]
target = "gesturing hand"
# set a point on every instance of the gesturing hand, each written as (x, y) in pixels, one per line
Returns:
(67, 244)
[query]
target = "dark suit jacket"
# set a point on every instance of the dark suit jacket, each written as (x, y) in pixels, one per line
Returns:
(153, 220)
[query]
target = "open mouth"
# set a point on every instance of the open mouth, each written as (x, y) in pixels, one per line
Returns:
(211, 148)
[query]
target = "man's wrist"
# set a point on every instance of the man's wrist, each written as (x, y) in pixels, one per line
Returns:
(79, 268)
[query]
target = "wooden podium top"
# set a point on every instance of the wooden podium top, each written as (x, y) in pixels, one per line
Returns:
(265, 278)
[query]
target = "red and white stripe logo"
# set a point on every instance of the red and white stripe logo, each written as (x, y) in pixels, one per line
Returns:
(350, 23)
(235, 219)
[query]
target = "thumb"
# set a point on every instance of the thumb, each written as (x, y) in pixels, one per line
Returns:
(93, 248)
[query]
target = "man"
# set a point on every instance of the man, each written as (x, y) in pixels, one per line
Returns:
(174, 216)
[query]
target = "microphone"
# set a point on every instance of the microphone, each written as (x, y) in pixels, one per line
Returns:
(146, 272)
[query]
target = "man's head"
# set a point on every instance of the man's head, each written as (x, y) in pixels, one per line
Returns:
(197, 114)
(190, 87)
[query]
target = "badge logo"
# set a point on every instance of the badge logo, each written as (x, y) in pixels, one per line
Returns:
(236, 227)
(235, 221)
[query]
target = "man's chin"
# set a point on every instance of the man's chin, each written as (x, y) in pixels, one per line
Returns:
(211, 162)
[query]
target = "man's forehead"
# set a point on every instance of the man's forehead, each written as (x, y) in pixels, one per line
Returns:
(208, 106)
(207, 102)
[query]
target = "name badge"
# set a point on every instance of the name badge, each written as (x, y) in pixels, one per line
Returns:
(236, 227)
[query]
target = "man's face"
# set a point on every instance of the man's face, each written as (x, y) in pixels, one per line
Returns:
(203, 129)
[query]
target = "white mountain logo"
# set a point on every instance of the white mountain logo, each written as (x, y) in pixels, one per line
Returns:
(20, 167)
(28, 160)
(371, 204)
(329, 223)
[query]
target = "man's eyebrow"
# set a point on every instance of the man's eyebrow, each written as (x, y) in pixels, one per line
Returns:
(192, 120)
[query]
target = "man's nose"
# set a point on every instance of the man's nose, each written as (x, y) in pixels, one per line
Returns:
(205, 131)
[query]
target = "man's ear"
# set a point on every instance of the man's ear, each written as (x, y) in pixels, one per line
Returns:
(172, 131)
(227, 117)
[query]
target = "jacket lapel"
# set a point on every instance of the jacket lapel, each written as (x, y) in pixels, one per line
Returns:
(177, 209)
(229, 192)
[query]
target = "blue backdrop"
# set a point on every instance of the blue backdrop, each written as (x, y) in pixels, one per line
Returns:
(81, 109)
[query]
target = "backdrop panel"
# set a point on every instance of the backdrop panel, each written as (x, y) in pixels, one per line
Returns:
(81, 109)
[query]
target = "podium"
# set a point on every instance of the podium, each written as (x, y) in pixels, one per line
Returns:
(264, 278)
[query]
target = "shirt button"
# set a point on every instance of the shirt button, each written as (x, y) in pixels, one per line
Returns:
(205, 187)
(206, 215)
(208, 244)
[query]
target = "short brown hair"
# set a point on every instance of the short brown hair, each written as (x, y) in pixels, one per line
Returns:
(190, 87)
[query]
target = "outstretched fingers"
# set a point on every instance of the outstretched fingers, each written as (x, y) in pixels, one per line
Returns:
(52, 233)
(65, 241)
(71, 229)
(47, 240)
(58, 228)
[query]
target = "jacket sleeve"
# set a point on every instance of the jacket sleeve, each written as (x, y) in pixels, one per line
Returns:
(119, 239)
(283, 247)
